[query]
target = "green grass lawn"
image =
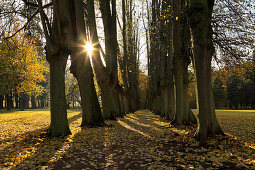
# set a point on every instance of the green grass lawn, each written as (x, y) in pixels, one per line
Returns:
(240, 123)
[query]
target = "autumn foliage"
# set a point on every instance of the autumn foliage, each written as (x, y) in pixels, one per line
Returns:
(21, 68)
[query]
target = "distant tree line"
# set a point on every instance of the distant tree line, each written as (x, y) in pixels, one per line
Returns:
(234, 86)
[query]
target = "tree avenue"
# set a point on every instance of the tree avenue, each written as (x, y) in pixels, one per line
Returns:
(180, 38)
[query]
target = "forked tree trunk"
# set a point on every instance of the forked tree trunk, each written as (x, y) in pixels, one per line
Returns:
(82, 70)
(108, 10)
(91, 112)
(200, 14)
(186, 116)
(106, 76)
(56, 54)
(182, 59)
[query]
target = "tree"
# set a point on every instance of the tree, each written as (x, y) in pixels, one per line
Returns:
(132, 58)
(81, 67)
(181, 39)
(56, 54)
(22, 70)
(107, 76)
(234, 87)
(169, 49)
(199, 19)
(218, 92)
(233, 30)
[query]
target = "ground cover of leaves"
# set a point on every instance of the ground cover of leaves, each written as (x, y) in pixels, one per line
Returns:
(140, 140)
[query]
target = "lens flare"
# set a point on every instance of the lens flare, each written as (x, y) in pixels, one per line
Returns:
(89, 48)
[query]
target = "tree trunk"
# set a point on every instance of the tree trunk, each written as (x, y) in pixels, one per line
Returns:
(92, 115)
(106, 76)
(1, 101)
(189, 117)
(108, 102)
(179, 86)
(16, 101)
(199, 16)
(82, 70)
(56, 36)
(170, 105)
(178, 61)
(59, 123)
(22, 101)
(33, 102)
(167, 77)
(27, 101)
(9, 102)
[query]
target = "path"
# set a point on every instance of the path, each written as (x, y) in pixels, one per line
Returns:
(143, 140)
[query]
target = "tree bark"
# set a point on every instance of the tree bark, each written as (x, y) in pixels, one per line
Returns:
(59, 124)
(22, 101)
(199, 17)
(1, 101)
(9, 101)
(56, 54)
(82, 70)
(27, 101)
(178, 61)
(189, 117)
(16, 101)
(106, 76)
(33, 102)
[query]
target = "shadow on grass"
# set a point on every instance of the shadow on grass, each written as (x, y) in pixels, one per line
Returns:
(32, 149)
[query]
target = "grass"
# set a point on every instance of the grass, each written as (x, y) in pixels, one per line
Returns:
(23, 132)
(239, 123)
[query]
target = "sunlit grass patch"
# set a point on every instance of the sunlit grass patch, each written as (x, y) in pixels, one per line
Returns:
(23, 135)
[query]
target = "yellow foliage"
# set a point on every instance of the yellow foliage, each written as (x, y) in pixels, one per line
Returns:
(21, 68)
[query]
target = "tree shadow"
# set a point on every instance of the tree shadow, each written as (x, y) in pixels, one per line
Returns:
(105, 148)
(32, 149)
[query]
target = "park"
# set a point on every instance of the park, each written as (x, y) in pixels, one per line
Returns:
(127, 84)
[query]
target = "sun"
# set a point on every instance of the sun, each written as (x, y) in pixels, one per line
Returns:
(89, 48)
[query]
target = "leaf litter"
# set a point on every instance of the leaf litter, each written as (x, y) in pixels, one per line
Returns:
(140, 140)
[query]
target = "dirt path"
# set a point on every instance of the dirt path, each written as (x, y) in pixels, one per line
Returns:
(143, 140)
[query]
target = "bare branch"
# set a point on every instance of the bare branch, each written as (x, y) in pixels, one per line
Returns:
(29, 20)
(43, 18)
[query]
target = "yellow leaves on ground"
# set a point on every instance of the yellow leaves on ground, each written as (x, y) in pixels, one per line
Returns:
(23, 141)
(140, 140)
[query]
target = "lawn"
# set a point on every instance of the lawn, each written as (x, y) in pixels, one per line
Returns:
(240, 123)
(139, 141)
